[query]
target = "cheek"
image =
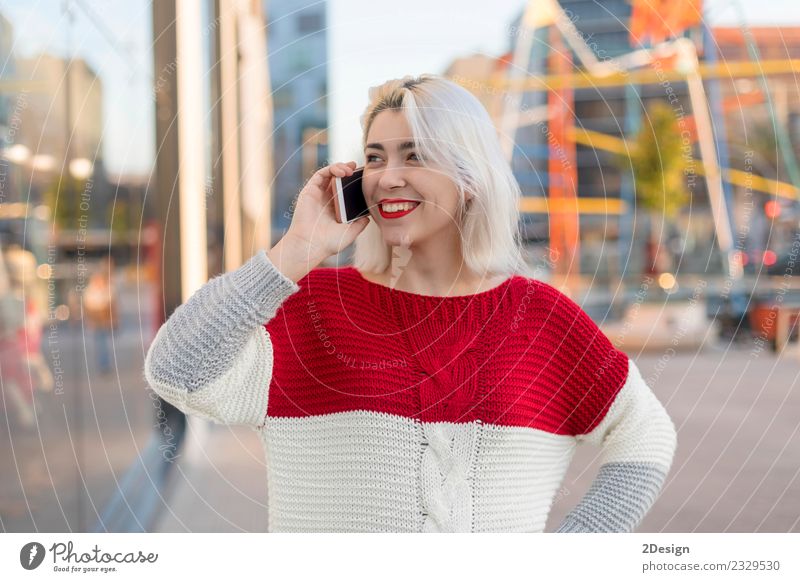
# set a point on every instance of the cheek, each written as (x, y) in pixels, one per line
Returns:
(441, 194)
(368, 186)
(445, 208)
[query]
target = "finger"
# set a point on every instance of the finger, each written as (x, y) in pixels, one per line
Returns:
(322, 177)
(361, 223)
(348, 167)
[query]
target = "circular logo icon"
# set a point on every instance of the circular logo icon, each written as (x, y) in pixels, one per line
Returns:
(31, 555)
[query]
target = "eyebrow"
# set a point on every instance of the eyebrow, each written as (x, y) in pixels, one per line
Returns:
(406, 145)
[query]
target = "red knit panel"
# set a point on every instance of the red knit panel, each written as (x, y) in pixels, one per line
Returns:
(521, 354)
(591, 369)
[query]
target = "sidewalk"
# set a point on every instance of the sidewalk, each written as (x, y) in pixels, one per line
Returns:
(59, 474)
(219, 482)
(737, 467)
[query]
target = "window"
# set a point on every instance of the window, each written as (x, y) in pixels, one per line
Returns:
(308, 22)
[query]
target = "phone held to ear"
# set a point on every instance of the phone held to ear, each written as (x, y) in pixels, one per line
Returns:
(348, 198)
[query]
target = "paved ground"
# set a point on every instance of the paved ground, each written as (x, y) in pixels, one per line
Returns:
(58, 475)
(737, 468)
(220, 485)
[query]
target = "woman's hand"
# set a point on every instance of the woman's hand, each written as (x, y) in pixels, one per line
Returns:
(314, 219)
(314, 234)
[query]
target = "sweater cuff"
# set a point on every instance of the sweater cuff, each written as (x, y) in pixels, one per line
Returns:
(573, 525)
(262, 285)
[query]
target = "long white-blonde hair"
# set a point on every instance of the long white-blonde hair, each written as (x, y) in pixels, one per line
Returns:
(453, 129)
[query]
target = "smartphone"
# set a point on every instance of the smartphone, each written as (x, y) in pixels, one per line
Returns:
(348, 198)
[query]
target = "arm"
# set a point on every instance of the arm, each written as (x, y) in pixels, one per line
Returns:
(213, 357)
(639, 441)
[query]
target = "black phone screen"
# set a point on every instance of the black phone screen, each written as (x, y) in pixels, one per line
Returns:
(352, 196)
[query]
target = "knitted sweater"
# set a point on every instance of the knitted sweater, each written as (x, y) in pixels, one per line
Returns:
(385, 410)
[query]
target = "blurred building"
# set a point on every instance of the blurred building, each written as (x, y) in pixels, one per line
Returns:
(9, 182)
(756, 112)
(46, 130)
(214, 118)
(615, 111)
(483, 70)
(7, 72)
(754, 107)
(62, 144)
(298, 57)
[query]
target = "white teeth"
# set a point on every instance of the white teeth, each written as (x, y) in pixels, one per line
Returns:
(398, 206)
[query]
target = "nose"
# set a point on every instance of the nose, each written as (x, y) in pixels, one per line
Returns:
(391, 178)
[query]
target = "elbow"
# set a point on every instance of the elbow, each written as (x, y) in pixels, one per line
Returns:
(156, 372)
(147, 369)
(153, 354)
(664, 440)
(673, 437)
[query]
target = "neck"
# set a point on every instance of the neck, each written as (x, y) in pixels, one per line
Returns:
(435, 267)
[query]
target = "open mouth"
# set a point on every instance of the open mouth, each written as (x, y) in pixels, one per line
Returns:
(396, 209)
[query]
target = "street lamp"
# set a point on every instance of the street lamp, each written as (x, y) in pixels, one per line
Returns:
(17, 154)
(80, 168)
(43, 162)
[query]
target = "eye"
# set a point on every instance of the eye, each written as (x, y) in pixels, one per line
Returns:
(370, 156)
(416, 157)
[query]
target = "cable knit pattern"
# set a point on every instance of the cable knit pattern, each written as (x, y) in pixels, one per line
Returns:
(383, 410)
(446, 463)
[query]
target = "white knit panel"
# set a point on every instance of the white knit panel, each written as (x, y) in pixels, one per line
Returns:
(447, 461)
(344, 472)
(636, 427)
(237, 397)
(517, 476)
(364, 471)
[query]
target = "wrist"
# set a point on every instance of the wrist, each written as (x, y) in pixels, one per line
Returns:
(295, 257)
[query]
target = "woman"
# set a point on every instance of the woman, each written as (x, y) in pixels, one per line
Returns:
(101, 312)
(430, 386)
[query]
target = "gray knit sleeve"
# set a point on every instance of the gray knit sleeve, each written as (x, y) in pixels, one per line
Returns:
(213, 356)
(638, 440)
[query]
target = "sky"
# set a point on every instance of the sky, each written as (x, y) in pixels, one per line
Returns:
(369, 42)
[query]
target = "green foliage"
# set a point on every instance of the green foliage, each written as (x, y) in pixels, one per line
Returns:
(763, 141)
(63, 196)
(119, 217)
(658, 163)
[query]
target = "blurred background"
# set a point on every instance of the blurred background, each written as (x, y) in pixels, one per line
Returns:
(148, 146)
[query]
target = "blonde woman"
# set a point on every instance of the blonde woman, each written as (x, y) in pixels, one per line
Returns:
(432, 385)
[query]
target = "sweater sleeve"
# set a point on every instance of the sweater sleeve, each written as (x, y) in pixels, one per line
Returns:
(614, 408)
(638, 442)
(213, 357)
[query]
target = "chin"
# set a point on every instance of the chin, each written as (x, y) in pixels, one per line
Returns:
(397, 237)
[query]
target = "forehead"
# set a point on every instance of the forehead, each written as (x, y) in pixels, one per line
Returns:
(389, 128)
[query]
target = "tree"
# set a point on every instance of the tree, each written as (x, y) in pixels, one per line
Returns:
(658, 164)
(63, 196)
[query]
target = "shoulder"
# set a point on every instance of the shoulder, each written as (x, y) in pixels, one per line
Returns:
(320, 277)
(321, 290)
(543, 305)
(575, 341)
(328, 283)
(575, 362)
(544, 292)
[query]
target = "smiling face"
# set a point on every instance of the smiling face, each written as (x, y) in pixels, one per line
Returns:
(425, 198)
